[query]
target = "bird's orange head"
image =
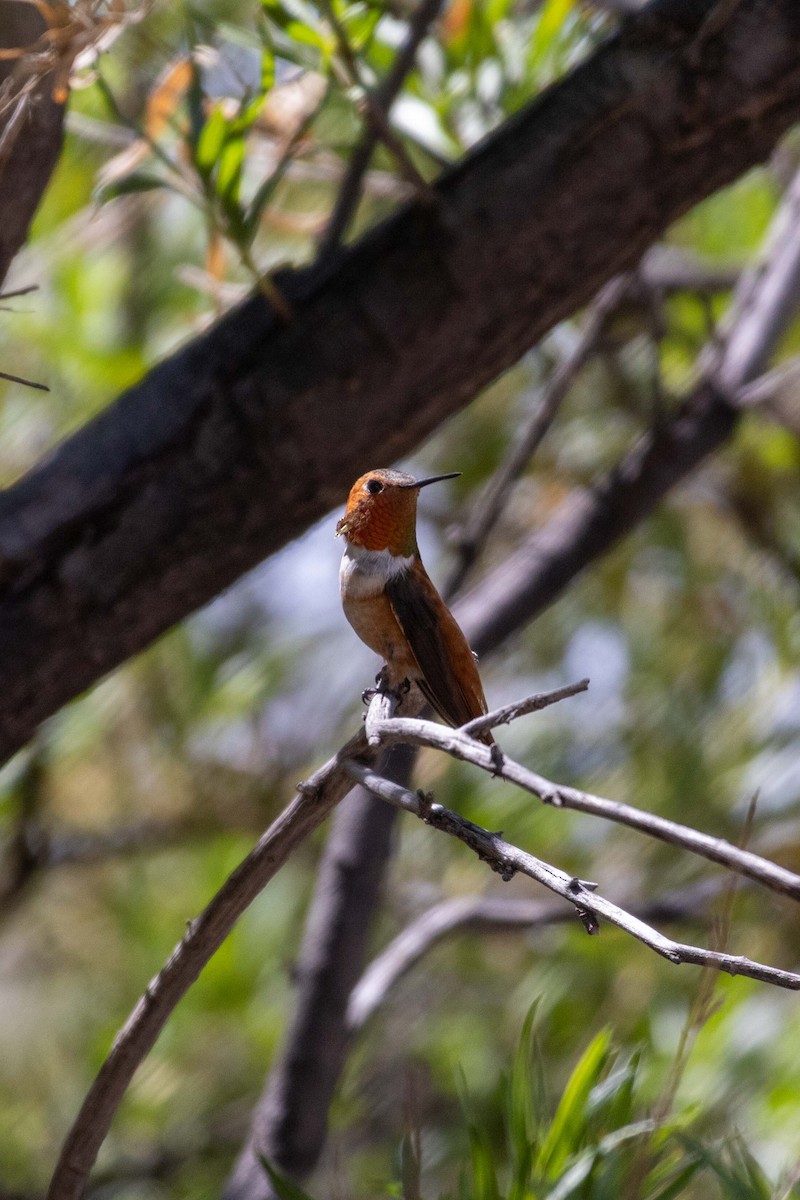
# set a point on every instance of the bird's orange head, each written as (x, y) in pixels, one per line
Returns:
(381, 511)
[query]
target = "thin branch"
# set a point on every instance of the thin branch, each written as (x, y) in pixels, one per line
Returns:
(31, 383)
(510, 712)
(491, 915)
(383, 98)
(662, 269)
(489, 507)
(20, 291)
(455, 743)
(763, 304)
(313, 802)
(31, 129)
(35, 849)
(776, 395)
(667, 268)
(375, 112)
(508, 860)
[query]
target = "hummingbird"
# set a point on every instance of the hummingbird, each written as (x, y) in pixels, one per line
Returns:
(394, 607)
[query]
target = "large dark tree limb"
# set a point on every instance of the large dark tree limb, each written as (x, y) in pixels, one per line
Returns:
(31, 128)
(237, 443)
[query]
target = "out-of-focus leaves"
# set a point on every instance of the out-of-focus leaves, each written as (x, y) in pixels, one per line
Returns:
(688, 629)
(284, 1188)
(564, 1135)
(127, 185)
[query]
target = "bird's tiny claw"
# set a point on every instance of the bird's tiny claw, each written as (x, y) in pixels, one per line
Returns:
(368, 694)
(497, 757)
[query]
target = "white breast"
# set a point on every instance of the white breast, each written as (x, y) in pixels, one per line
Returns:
(365, 572)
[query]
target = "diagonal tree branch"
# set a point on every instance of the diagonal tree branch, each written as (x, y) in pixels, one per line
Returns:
(764, 303)
(375, 111)
(233, 446)
(31, 128)
(495, 914)
(507, 860)
(489, 506)
(458, 744)
(314, 801)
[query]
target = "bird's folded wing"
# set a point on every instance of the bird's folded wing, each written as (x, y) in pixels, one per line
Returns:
(451, 682)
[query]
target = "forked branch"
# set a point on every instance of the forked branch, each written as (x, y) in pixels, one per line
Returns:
(508, 860)
(458, 744)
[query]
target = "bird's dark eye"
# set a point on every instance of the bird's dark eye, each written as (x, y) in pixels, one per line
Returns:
(374, 486)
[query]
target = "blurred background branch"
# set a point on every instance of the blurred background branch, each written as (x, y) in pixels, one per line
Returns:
(204, 150)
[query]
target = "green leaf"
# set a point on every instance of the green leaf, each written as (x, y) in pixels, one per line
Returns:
(552, 18)
(229, 168)
(522, 1096)
(127, 185)
(614, 1095)
(676, 1185)
(267, 69)
(284, 1188)
(485, 1185)
(210, 142)
(570, 1120)
(572, 1179)
(739, 1175)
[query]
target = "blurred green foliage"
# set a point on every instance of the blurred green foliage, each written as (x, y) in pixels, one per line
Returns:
(207, 146)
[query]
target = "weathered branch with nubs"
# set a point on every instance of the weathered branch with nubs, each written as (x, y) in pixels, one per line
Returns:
(314, 800)
(508, 860)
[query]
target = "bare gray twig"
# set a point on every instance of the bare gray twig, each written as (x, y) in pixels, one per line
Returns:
(460, 746)
(763, 304)
(776, 394)
(510, 712)
(495, 914)
(507, 860)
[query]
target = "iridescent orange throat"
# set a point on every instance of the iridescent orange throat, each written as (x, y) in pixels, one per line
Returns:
(383, 522)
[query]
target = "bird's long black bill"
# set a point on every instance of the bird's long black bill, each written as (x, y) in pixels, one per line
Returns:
(421, 483)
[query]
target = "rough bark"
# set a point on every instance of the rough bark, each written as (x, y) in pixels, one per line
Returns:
(31, 129)
(238, 442)
(291, 1120)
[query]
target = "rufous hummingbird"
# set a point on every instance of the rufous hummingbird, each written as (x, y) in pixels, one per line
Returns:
(391, 603)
